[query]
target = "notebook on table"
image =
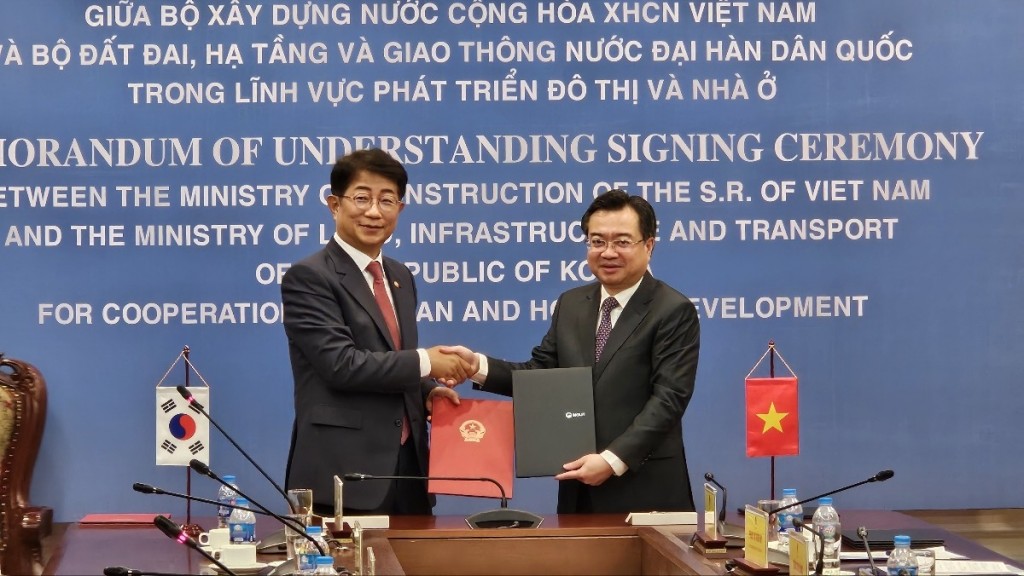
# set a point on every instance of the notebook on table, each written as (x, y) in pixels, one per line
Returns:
(553, 412)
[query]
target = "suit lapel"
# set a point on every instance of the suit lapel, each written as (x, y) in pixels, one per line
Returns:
(588, 325)
(631, 316)
(352, 280)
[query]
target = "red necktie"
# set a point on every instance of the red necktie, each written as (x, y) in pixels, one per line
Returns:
(381, 296)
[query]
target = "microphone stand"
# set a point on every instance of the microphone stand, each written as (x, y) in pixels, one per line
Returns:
(503, 517)
(819, 566)
(205, 470)
(862, 532)
(880, 477)
(122, 571)
(195, 404)
(147, 489)
(174, 532)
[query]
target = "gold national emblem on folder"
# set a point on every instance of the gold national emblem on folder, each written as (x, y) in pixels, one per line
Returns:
(472, 431)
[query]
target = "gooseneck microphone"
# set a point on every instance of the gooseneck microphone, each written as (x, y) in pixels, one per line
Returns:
(880, 477)
(173, 531)
(147, 489)
(202, 410)
(721, 514)
(503, 517)
(122, 571)
(203, 469)
(819, 566)
(862, 533)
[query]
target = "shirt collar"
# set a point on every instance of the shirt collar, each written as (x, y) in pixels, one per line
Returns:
(361, 259)
(624, 296)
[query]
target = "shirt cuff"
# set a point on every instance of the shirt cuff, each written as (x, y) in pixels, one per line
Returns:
(424, 362)
(481, 375)
(618, 466)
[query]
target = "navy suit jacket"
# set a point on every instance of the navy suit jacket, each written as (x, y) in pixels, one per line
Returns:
(642, 386)
(351, 383)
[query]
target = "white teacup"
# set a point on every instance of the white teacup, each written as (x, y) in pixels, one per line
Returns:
(236, 555)
(215, 538)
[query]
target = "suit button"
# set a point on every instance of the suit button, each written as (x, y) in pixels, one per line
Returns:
(398, 423)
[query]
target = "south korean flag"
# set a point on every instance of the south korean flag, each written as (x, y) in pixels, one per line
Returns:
(182, 433)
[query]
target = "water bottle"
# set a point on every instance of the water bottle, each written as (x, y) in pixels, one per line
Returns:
(826, 522)
(225, 495)
(307, 552)
(242, 523)
(325, 566)
(902, 561)
(787, 515)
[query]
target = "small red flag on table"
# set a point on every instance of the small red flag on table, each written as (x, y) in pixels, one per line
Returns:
(773, 417)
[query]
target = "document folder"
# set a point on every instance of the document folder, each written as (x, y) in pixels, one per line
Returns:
(553, 411)
(474, 440)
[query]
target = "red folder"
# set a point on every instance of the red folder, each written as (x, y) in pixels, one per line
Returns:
(473, 440)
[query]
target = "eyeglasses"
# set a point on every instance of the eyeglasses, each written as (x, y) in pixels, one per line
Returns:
(386, 204)
(599, 244)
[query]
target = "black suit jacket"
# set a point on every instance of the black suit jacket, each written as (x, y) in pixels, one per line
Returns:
(642, 386)
(351, 384)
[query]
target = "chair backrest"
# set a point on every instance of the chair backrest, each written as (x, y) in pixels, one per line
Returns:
(22, 418)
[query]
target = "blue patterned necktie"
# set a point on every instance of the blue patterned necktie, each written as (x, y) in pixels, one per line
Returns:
(605, 327)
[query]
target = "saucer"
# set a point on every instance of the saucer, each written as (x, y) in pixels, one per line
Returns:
(241, 570)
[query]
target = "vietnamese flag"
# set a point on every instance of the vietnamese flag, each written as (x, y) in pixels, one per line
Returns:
(773, 418)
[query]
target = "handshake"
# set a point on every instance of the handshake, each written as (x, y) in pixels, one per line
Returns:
(452, 365)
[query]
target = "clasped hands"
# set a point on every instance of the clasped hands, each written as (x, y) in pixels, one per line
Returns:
(452, 365)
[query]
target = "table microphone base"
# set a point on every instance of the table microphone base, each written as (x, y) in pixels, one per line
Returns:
(274, 543)
(286, 568)
(504, 518)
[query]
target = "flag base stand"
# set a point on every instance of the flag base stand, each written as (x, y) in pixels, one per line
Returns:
(709, 547)
(748, 568)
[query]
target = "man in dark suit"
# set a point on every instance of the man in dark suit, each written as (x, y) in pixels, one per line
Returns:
(361, 389)
(642, 339)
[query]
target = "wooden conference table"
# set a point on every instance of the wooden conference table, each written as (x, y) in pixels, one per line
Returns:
(564, 544)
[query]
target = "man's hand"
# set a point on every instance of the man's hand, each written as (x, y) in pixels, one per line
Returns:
(591, 469)
(466, 354)
(441, 392)
(448, 368)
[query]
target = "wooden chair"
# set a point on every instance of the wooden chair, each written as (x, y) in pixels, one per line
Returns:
(22, 416)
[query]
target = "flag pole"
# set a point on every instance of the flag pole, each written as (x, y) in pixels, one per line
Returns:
(771, 374)
(189, 528)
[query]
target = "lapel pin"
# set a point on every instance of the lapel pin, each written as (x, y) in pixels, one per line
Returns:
(395, 282)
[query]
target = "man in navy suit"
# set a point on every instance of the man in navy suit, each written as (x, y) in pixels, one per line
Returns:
(642, 339)
(362, 387)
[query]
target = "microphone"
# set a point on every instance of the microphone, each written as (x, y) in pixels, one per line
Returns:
(862, 533)
(819, 566)
(503, 517)
(203, 469)
(202, 410)
(880, 477)
(276, 542)
(173, 531)
(721, 515)
(147, 489)
(122, 571)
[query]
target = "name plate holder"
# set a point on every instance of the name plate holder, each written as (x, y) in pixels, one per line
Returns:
(707, 540)
(755, 555)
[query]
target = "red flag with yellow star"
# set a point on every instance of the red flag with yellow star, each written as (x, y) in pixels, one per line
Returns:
(773, 419)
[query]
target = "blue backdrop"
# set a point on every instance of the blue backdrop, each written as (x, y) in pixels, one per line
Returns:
(841, 177)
